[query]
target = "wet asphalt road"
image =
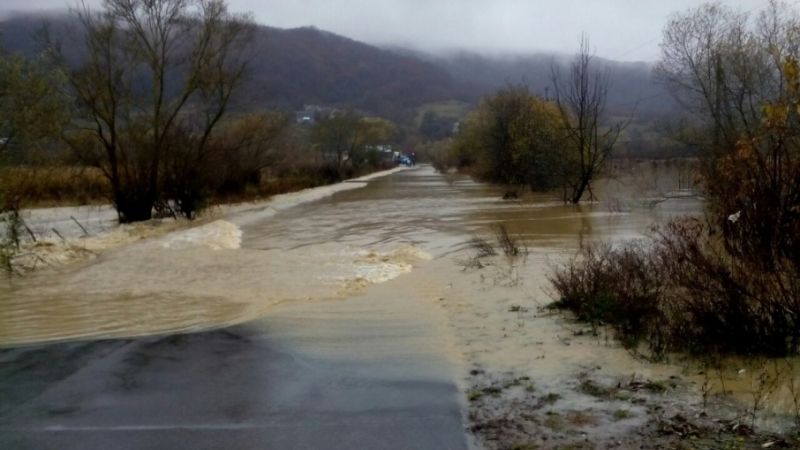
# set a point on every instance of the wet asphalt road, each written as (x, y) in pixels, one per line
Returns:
(370, 372)
(327, 375)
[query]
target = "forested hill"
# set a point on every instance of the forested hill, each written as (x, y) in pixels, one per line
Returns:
(306, 66)
(309, 66)
(295, 67)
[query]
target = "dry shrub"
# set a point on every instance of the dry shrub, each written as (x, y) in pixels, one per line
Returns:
(618, 287)
(682, 290)
(305, 175)
(511, 246)
(718, 301)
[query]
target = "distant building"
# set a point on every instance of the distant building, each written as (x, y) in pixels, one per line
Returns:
(308, 115)
(311, 114)
(304, 119)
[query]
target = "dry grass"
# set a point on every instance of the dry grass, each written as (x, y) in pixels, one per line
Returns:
(41, 186)
(483, 247)
(52, 186)
(511, 246)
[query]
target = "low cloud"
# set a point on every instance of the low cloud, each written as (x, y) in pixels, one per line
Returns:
(619, 29)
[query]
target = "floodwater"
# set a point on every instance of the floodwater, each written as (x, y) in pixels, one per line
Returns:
(414, 224)
(234, 269)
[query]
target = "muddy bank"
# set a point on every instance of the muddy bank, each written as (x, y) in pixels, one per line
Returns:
(537, 379)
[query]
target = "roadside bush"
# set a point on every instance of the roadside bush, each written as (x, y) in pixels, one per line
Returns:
(247, 146)
(298, 176)
(252, 156)
(513, 138)
(719, 302)
(682, 291)
(619, 287)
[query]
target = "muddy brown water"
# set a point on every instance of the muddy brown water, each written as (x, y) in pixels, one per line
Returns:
(315, 250)
(239, 268)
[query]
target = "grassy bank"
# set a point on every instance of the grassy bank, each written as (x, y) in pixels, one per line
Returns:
(37, 187)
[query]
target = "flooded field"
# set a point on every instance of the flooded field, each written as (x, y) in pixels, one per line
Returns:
(413, 227)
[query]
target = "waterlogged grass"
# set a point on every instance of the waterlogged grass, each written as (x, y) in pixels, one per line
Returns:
(622, 414)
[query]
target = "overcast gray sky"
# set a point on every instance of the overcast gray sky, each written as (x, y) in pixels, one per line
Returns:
(619, 29)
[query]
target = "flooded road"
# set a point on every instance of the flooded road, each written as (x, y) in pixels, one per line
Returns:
(233, 270)
(350, 314)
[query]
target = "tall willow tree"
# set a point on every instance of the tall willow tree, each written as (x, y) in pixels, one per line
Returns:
(158, 79)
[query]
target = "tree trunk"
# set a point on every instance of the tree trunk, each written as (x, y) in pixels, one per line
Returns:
(577, 193)
(134, 209)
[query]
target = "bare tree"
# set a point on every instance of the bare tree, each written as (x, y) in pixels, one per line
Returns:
(158, 78)
(740, 77)
(722, 66)
(581, 100)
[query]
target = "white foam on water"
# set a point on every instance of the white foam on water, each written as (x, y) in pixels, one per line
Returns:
(374, 267)
(161, 276)
(381, 273)
(218, 235)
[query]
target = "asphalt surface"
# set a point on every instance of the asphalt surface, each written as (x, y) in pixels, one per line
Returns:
(352, 374)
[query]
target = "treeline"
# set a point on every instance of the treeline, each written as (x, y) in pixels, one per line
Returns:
(149, 118)
(728, 283)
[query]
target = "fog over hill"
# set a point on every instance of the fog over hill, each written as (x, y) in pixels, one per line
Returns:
(632, 84)
(295, 67)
